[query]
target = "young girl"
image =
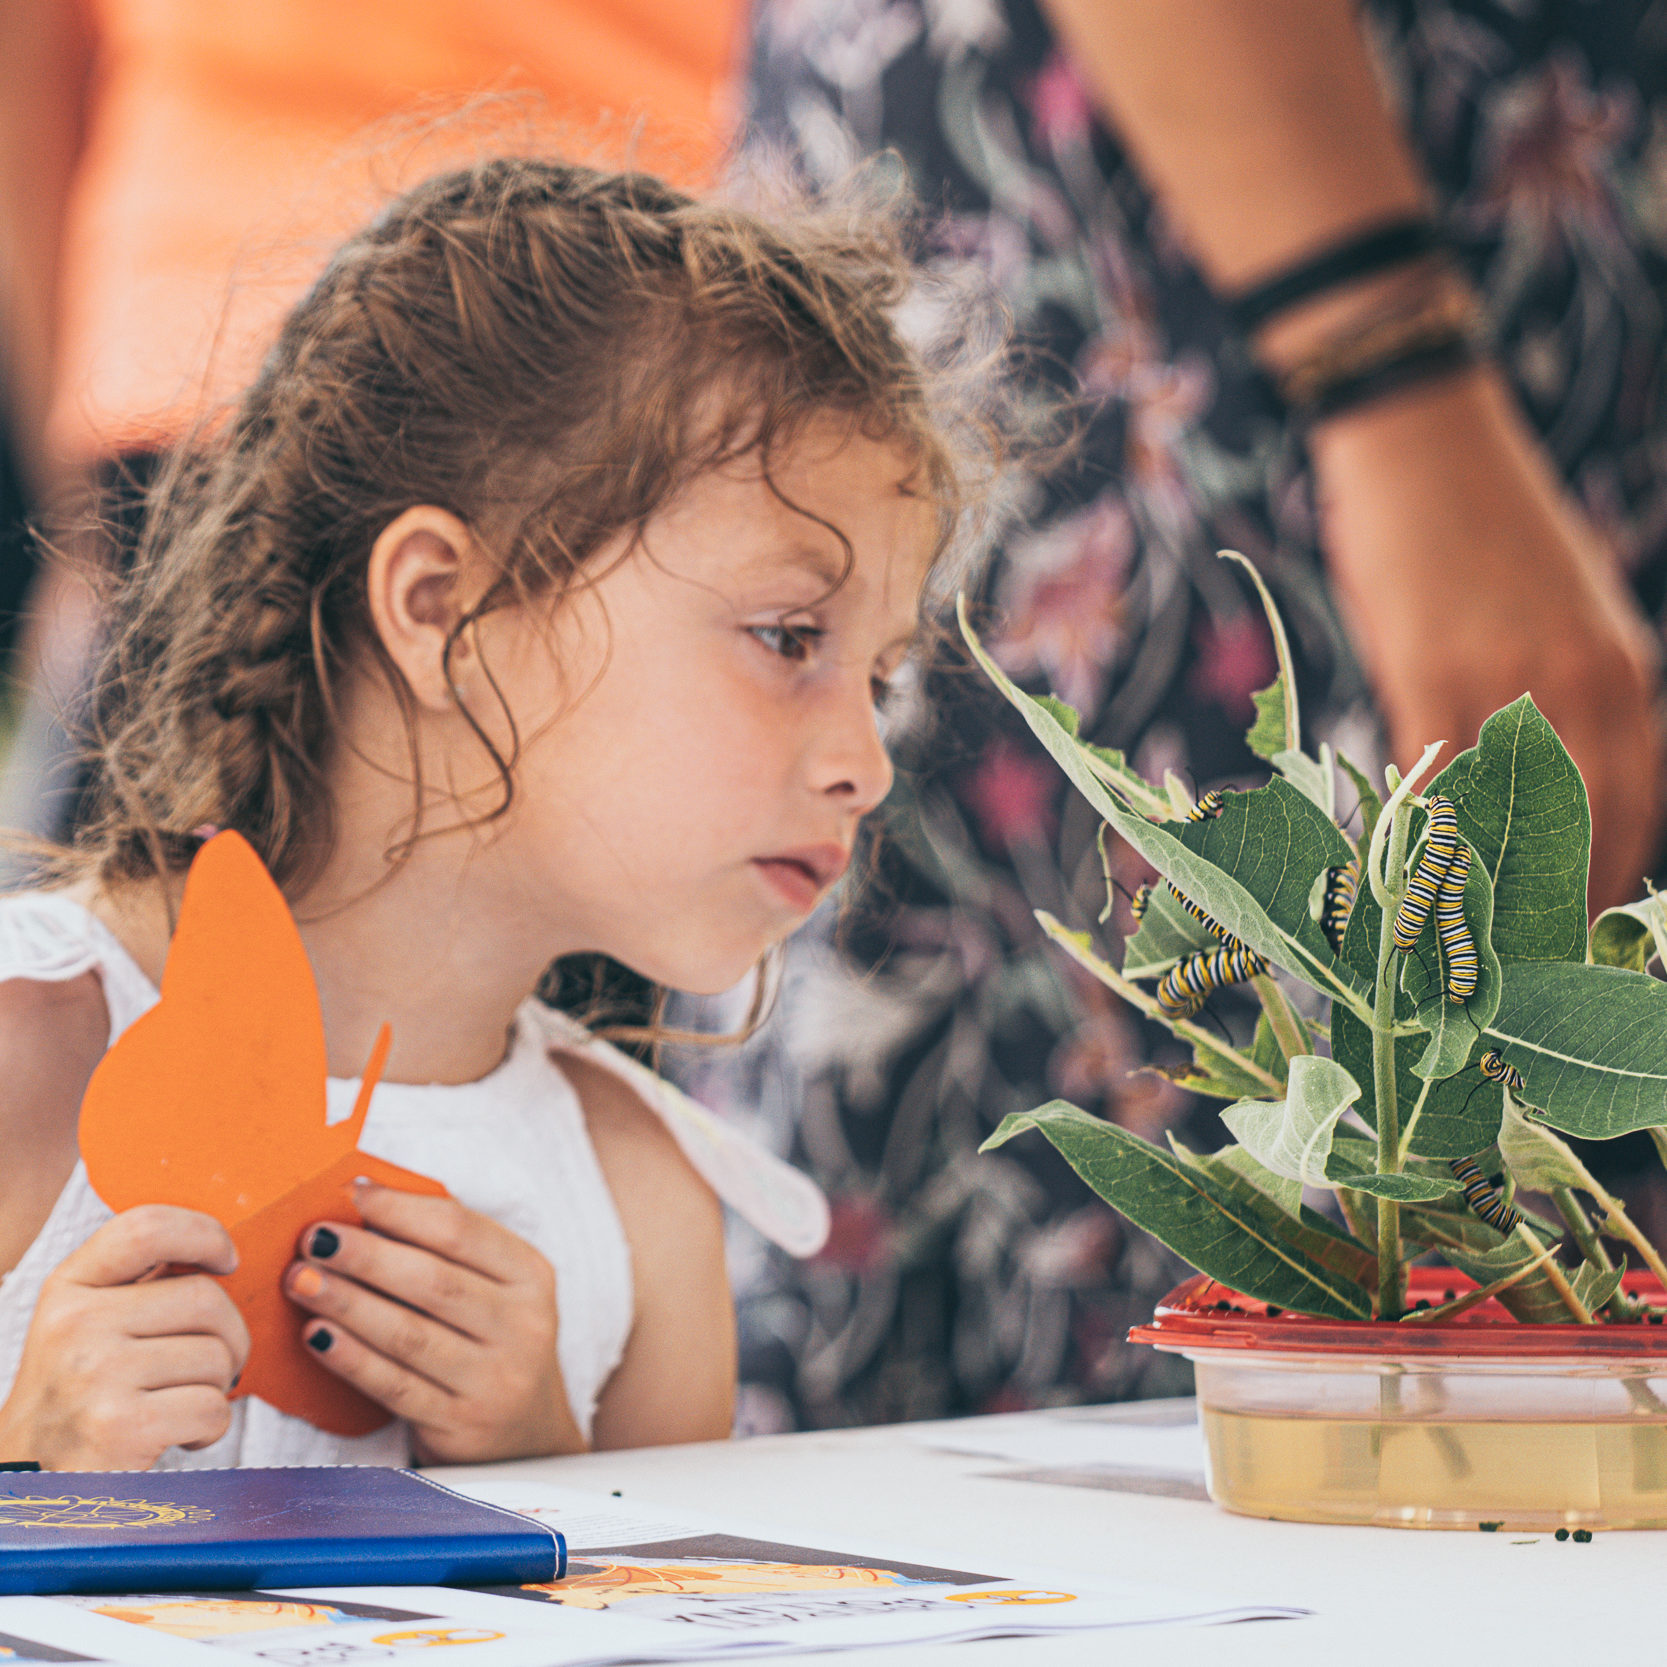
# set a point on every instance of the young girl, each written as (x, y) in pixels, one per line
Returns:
(536, 600)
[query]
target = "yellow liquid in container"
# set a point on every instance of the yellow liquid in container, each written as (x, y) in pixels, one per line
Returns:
(1435, 1473)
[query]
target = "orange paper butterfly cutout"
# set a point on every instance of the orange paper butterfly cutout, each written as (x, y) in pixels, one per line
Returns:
(215, 1100)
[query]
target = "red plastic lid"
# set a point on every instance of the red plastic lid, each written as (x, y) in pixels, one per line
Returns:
(1199, 1316)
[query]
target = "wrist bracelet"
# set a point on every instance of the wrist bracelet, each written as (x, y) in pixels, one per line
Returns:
(1394, 243)
(1427, 361)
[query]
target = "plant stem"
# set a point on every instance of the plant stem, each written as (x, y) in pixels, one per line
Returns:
(1391, 1282)
(1288, 1030)
(1621, 1225)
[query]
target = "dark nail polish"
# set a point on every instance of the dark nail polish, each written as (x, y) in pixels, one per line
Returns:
(324, 1243)
(236, 1379)
(320, 1341)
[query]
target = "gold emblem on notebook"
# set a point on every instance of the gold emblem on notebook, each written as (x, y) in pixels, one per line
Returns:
(73, 1511)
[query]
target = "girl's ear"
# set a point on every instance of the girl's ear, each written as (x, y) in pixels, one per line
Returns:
(422, 578)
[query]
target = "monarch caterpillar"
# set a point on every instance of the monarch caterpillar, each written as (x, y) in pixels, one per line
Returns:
(1483, 1197)
(1211, 805)
(1452, 930)
(1494, 1066)
(1195, 978)
(1207, 920)
(1439, 850)
(1138, 899)
(1337, 904)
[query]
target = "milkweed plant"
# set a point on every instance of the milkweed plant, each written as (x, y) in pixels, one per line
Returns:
(1466, 1020)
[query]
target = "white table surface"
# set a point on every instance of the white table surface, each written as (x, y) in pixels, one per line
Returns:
(1415, 1598)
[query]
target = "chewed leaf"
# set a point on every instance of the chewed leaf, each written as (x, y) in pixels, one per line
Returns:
(1522, 809)
(1267, 736)
(1238, 1236)
(1286, 681)
(1537, 1158)
(1292, 1137)
(1455, 1027)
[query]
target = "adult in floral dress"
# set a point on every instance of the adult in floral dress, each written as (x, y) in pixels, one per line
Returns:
(1437, 577)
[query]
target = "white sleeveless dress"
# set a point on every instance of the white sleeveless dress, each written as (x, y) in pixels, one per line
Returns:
(512, 1145)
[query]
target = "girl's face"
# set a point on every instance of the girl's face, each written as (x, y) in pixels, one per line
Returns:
(699, 726)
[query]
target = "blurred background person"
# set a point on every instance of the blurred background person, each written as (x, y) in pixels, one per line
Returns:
(176, 172)
(1448, 462)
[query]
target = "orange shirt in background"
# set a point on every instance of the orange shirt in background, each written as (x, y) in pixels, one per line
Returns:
(234, 143)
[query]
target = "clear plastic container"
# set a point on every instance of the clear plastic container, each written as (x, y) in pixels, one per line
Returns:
(1462, 1424)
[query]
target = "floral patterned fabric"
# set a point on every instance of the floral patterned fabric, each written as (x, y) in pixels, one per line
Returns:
(955, 1282)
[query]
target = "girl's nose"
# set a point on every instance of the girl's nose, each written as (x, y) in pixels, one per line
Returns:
(854, 765)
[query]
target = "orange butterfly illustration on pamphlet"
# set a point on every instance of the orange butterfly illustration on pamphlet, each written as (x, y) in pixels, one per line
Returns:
(215, 1100)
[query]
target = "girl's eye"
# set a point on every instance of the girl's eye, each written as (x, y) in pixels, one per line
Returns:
(791, 642)
(882, 692)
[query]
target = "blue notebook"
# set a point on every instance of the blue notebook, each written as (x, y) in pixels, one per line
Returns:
(229, 1530)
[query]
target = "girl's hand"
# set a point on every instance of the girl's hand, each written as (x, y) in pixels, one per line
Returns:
(446, 1319)
(119, 1365)
(1466, 578)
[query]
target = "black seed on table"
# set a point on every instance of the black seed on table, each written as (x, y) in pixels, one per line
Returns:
(1583, 1536)
(1490, 1527)
(1561, 1534)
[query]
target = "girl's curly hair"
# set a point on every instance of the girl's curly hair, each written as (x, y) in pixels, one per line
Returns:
(548, 351)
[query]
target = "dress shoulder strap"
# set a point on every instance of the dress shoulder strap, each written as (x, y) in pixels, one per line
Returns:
(49, 936)
(787, 1207)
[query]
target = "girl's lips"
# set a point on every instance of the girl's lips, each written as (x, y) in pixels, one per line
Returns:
(792, 880)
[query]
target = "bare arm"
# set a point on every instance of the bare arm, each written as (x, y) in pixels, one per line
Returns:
(677, 1380)
(1465, 574)
(51, 1037)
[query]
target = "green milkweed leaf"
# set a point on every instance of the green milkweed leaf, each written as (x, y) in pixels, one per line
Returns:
(1522, 809)
(1241, 1239)
(1591, 1042)
(1402, 1187)
(1276, 842)
(1236, 1170)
